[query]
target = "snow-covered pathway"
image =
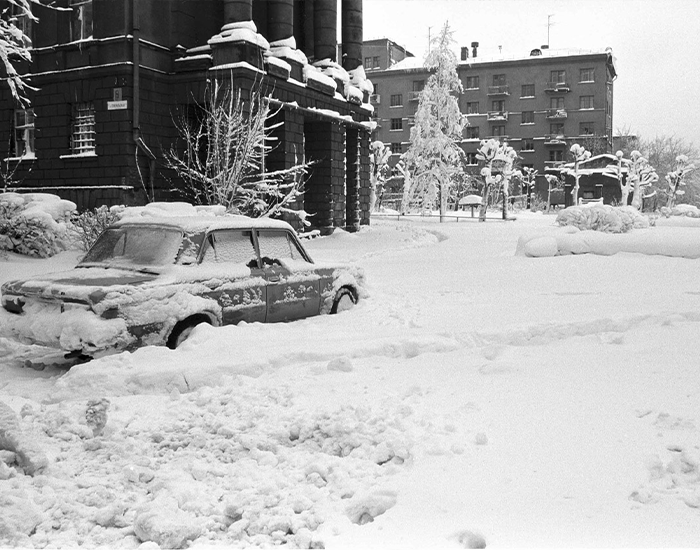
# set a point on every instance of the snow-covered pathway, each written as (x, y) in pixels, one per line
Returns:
(476, 393)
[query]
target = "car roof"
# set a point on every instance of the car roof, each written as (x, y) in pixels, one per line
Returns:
(201, 223)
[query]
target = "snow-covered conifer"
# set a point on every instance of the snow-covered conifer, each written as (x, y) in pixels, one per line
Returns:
(433, 158)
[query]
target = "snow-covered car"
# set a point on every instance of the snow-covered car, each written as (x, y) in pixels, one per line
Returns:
(155, 274)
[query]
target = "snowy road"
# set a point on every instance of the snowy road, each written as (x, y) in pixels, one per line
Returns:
(476, 393)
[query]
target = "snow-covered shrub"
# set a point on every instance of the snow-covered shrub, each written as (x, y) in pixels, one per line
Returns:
(687, 210)
(603, 217)
(88, 225)
(34, 224)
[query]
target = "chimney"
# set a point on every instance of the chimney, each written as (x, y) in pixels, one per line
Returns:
(475, 45)
(465, 53)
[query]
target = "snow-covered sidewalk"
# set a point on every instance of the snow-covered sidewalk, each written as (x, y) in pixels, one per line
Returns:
(475, 396)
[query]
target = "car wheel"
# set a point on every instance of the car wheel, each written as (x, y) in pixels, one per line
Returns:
(183, 329)
(344, 300)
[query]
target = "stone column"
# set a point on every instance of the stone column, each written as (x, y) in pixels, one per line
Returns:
(351, 21)
(280, 19)
(325, 29)
(236, 11)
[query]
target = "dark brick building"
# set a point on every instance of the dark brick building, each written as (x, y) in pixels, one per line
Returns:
(111, 75)
(539, 103)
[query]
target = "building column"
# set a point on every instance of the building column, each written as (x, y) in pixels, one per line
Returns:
(238, 40)
(365, 184)
(352, 180)
(280, 20)
(351, 22)
(325, 29)
(236, 11)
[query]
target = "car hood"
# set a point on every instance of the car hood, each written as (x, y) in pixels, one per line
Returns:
(77, 283)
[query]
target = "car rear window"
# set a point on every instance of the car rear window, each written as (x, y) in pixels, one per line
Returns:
(231, 246)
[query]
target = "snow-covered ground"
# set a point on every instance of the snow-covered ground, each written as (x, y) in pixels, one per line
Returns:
(476, 397)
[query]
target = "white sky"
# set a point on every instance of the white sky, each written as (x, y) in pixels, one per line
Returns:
(656, 43)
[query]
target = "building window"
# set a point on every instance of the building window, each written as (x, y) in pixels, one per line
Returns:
(586, 102)
(396, 149)
(586, 75)
(21, 19)
(472, 132)
(472, 107)
(23, 143)
(498, 105)
(471, 159)
(83, 131)
(556, 156)
(397, 100)
(528, 145)
(586, 128)
(556, 128)
(499, 80)
(557, 77)
(81, 20)
(556, 102)
(472, 83)
(528, 90)
(528, 117)
(499, 130)
(368, 62)
(396, 124)
(375, 62)
(418, 85)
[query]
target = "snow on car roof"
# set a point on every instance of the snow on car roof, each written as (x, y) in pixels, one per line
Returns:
(194, 218)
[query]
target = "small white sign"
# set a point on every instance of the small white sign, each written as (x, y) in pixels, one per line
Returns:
(116, 105)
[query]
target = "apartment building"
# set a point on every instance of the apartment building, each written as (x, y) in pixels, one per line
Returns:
(540, 103)
(111, 75)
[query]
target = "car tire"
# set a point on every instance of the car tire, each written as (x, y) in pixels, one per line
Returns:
(344, 300)
(183, 329)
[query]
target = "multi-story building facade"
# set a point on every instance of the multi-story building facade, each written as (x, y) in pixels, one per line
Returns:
(111, 75)
(540, 104)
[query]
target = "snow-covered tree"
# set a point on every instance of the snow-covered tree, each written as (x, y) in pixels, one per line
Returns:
(498, 159)
(379, 156)
(15, 46)
(615, 170)
(580, 154)
(675, 178)
(528, 177)
(223, 160)
(641, 174)
(553, 182)
(433, 157)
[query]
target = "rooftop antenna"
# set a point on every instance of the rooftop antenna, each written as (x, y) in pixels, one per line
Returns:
(549, 25)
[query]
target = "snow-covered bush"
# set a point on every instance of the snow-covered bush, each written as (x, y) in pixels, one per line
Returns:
(603, 217)
(687, 210)
(88, 225)
(34, 224)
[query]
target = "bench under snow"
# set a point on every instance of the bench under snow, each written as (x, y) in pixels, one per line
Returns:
(471, 201)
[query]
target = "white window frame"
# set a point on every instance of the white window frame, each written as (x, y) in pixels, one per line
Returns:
(82, 140)
(81, 20)
(23, 138)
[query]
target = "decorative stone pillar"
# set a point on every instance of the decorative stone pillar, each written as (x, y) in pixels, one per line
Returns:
(325, 29)
(280, 20)
(351, 21)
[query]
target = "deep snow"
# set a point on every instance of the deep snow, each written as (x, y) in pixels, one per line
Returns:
(475, 396)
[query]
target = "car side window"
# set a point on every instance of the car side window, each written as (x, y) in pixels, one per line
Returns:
(234, 246)
(277, 245)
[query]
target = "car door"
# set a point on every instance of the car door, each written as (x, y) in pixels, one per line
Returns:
(292, 284)
(230, 266)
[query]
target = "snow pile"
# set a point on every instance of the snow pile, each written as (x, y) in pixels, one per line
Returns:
(312, 73)
(603, 217)
(34, 224)
(688, 210)
(287, 49)
(242, 31)
(172, 209)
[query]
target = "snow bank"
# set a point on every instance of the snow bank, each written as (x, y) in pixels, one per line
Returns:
(603, 217)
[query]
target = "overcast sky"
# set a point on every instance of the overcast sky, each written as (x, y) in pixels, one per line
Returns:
(656, 43)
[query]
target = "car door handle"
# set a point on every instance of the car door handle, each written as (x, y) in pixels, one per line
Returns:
(274, 279)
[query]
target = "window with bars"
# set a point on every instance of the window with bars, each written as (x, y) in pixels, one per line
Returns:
(83, 129)
(23, 142)
(81, 20)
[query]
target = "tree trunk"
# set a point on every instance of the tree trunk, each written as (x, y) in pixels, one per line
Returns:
(574, 192)
(484, 202)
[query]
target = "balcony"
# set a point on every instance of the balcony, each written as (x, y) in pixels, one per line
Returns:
(557, 87)
(497, 115)
(553, 164)
(499, 90)
(554, 139)
(556, 114)
(498, 138)
(414, 95)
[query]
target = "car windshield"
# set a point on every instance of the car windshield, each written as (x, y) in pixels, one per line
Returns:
(135, 246)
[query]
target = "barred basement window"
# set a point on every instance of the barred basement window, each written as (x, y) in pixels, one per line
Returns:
(82, 139)
(23, 143)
